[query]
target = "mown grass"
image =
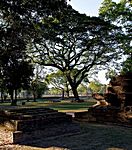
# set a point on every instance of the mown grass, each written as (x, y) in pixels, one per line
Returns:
(63, 105)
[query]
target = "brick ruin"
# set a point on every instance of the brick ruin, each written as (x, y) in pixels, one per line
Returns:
(24, 125)
(122, 86)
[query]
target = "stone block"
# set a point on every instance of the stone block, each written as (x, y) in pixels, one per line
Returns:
(24, 124)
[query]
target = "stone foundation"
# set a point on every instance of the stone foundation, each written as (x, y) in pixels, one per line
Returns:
(24, 125)
(103, 115)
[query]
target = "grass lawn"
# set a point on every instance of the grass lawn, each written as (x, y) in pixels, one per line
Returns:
(63, 106)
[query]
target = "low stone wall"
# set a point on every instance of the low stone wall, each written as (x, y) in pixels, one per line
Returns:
(25, 125)
(20, 137)
(111, 115)
(55, 130)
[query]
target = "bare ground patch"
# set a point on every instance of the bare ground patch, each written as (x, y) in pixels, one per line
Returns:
(91, 137)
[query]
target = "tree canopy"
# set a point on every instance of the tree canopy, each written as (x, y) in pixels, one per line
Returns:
(18, 26)
(76, 44)
(15, 67)
(24, 15)
(120, 14)
(53, 34)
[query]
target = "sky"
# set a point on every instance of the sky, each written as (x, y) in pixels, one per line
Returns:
(90, 8)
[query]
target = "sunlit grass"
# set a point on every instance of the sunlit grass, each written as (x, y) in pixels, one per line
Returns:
(63, 105)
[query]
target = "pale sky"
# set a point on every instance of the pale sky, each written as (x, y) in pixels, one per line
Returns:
(90, 8)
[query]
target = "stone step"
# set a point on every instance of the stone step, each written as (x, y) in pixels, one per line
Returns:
(31, 119)
(27, 116)
(19, 113)
(20, 137)
(30, 114)
(34, 124)
(26, 110)
(24, 124)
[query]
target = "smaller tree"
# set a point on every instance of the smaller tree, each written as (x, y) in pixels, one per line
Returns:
(38, 88)
(15, 67)
(17, 75)
(58, 81)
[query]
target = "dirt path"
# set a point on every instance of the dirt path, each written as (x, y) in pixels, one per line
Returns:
(91, 137)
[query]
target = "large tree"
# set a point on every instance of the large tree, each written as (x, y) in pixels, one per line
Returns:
(23, 15)
(15, 66)
(120, 14)
(19, 21)
(76, 43)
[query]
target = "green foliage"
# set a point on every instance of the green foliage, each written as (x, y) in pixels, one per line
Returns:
(127, 66)
(110, 74)
(95, 86)
(54, 91)
(82, 89)
(19, 25)
(76, 44)
(120, 14)
(56, 79)
(39, 88)
(55, 35)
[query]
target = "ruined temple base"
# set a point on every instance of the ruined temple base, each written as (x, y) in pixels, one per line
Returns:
(105, 115)
(20, 137)
(23, 126)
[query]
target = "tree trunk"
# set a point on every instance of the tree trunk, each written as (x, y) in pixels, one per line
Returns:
(67, 91)
(34, 96)
(75, 93)
(2, 93)
(74, 88)
(13, 101)
(16, 95)
(62, 97)
(27, 95)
